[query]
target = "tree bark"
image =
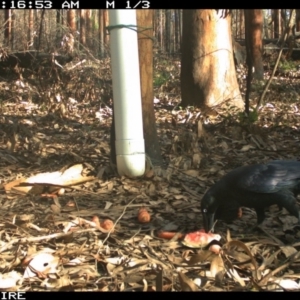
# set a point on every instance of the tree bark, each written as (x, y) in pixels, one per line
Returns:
(298, 19)
(242, 24)
(71, 19)
(208, 75)
(82, 27)
(8, 26)
(254, 27)
(145, 43)
(101, 33)
(89, 27)
(277, 23)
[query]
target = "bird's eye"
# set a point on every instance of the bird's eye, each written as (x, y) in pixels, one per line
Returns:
(205, 210)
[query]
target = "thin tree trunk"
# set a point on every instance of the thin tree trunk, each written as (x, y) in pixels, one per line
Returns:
(101, 33)
(145, 43)
(266, 29)
(167, 30)
(71, 20)
(277, 23)
(8, 26)
(242, 24)
(89, 27)
(82, 27)
(298, 19)
(254, 25)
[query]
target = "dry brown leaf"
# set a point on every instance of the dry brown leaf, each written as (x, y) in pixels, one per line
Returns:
(201, 257)
(247, 148)
(236, 276)
(216, 266)
(239, 244)
(187, 285)
(193, 173)
(288, 250)
(62, 281)
(108, 205)
(56, 209)
(36, 184)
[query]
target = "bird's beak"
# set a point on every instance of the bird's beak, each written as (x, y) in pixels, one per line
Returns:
(208, 222)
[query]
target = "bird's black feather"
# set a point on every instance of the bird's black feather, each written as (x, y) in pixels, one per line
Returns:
(257, 186)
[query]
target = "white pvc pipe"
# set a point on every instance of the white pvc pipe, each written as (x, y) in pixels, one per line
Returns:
(130, 145)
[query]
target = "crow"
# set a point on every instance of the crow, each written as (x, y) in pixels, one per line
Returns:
(257, 186)
(228, 213)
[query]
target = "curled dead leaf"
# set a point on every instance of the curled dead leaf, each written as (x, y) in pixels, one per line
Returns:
(216, 266)
(96, 221)
(187, 285)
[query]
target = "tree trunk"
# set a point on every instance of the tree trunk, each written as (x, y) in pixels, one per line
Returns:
(89, 27)
(172, 37)
(283, 21)
(277, 23)
(59, 24)
(235, 12)
(40, 34)
(254, 26)
(145, 43)
(105, 24)
(30, 36)
(8, 26)
(177, 30)
(167, 30)
(298, 19)
(101, 32)
(71, 19)
(82, 27)
(242, 24)
(208, 75)
(266, 29)
(161, 30)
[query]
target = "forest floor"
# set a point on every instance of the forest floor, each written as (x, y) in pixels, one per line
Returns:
(51, 238)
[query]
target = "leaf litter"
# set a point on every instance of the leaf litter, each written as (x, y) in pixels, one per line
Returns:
(101, 232)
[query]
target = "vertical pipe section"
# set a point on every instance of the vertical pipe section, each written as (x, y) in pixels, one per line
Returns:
(130, 144)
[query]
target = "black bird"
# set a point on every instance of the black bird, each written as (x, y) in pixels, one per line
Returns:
(257, 186)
